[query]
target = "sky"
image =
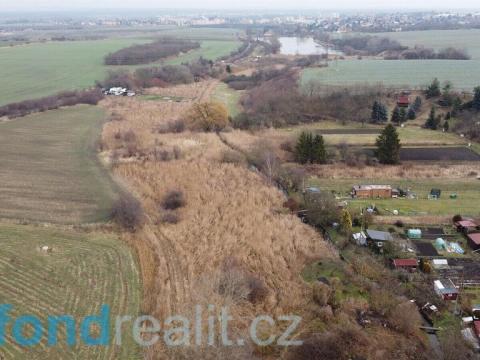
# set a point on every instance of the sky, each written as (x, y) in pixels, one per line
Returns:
(35, 5)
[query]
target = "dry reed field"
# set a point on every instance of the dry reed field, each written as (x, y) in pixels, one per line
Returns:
(232, 224)
(49, 170)
(80, 273)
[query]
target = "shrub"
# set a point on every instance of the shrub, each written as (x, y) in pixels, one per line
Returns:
(128, 213)
(170, 217)
(258, 290)
(399, 223)
(321, 293)
(173, 200)
(457, 218)
(209, 116)
(233, 157)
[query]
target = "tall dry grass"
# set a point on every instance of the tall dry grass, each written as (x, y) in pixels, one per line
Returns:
(230, 213)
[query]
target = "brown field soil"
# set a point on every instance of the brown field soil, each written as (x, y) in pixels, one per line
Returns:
(231, 216)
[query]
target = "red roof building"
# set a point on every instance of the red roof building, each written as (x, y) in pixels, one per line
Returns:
(403, 101)
(408, 264)
(474, 240)
(476, 325)
(466, 226)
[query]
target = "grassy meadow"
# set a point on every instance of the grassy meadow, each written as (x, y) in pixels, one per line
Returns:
(464, 75)
(49, 170)
(82, 272)
(409, 73)
(41, 69)
(229, 97)
(467, 203)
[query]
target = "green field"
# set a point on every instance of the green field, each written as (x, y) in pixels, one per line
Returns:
(350, 134)
(229, 97)
(438, 39)
(398, 73)
(36, 70)
(42, 69)
(49, 170)
(467, 203)
(82, 272)
(209, 49)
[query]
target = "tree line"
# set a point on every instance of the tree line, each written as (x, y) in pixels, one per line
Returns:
(151, 52)
(65, 98)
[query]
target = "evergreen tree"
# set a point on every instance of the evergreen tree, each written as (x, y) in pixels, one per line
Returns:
(476, 99)
(403, 115)
(396, 115)
(432, 121)
(310, 149)
(346, 222)
(411, 115)
(379, 112)
(456, 106)
(417, 104)
(303, 147)
(383, 113)
(446, 126)
(388, 146)
(433, 90)
(228, 69)
(319, 154)
(375, 112)
(447, 97)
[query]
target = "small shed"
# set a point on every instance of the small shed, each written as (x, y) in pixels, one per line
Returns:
(403, 101)
(466, 226)
(378, 238)
(435, 193)
(372, 191)
(440, 264)
(474, 240)
(360, 238)
(406, 264)
(445, 289)
(414, 234)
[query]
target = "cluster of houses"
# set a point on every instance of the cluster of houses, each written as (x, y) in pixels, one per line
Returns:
(119, 91)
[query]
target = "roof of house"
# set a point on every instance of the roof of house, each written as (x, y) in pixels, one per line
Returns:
(405, 262)
(475, 238)
(466, 223)
(372, 187)
(445, 286)
(440, 263)
(379, 235)
(403, 99)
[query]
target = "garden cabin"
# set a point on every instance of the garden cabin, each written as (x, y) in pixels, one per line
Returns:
(405, 264)
(403, 101)
(474, 241)
(445, 289)
(466, 226)
(372, 191)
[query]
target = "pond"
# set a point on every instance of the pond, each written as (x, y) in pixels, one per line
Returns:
(303, 46)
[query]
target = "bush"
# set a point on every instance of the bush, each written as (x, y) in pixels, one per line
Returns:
(258, 290)
(128, 213)
(173, 200)
(170, 217)
(209, 116)
(457, 218)
(233, 157)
